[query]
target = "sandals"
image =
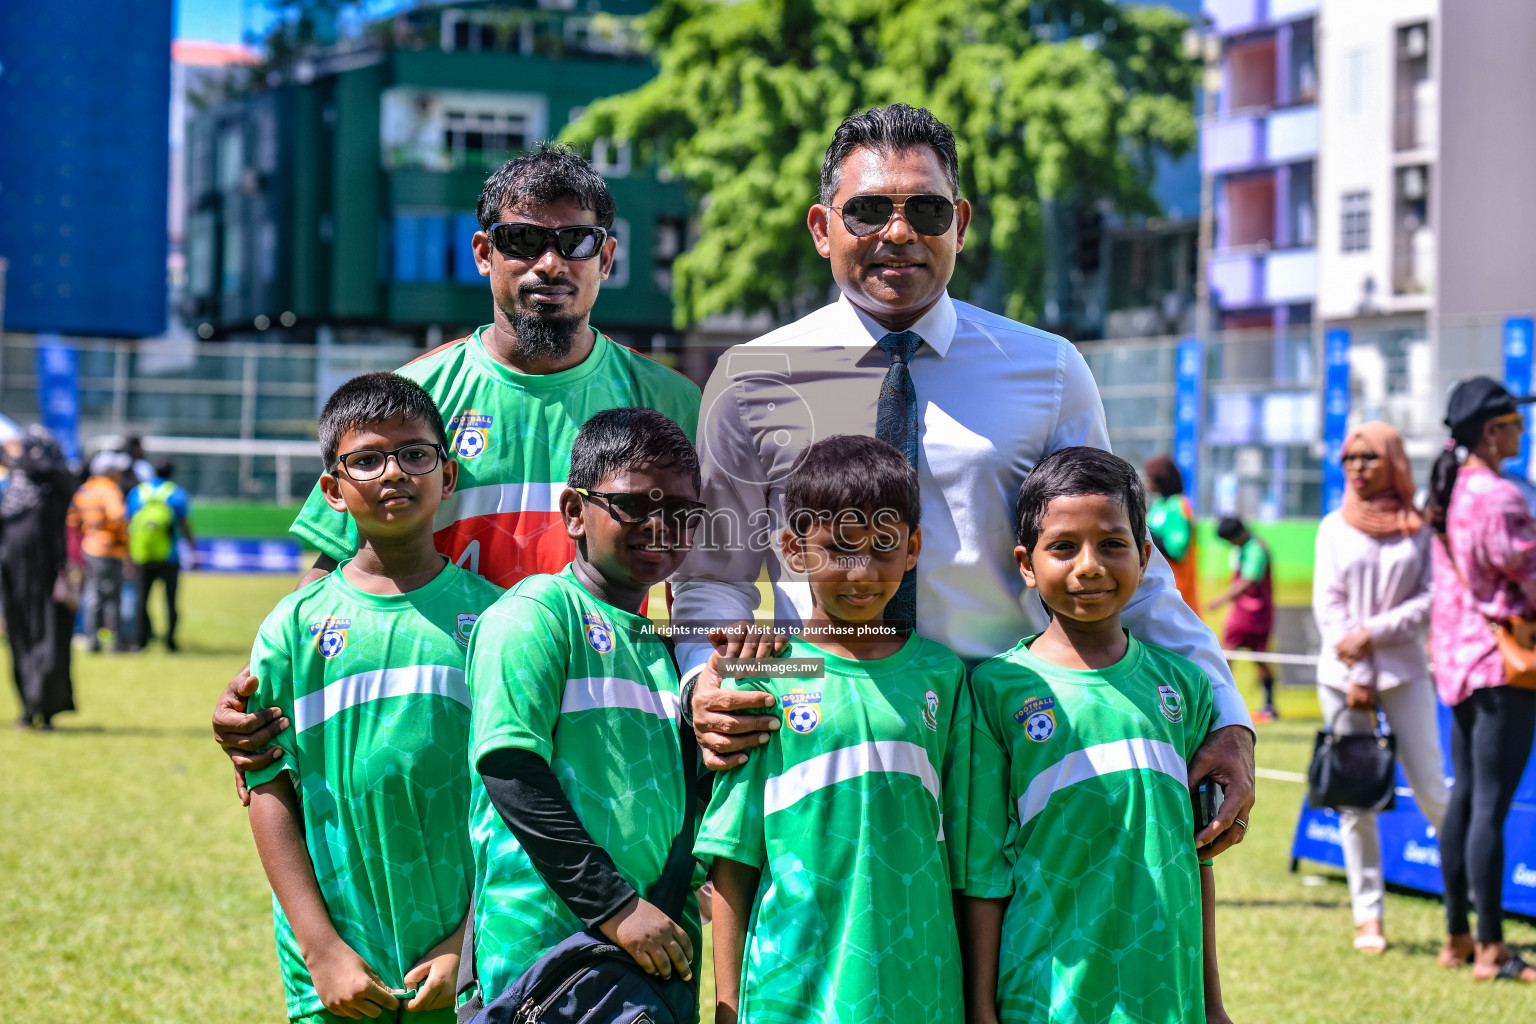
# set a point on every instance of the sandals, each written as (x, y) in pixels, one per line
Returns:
(1374, 944)
(1511, 970)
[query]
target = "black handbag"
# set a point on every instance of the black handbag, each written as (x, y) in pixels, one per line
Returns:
(1356, 772)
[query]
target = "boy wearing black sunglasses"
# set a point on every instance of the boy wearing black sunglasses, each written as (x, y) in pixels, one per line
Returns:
(578, 788)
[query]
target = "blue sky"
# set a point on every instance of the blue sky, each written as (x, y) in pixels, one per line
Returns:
(219, 21)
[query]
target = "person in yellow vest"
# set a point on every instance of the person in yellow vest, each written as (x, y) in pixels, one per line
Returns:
(1171, 521)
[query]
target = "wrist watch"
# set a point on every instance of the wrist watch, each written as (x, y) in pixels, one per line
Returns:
(687, 698)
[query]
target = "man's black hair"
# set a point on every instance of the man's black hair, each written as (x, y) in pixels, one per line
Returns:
(1231, 528)
(851, 472)
(165, 469)
(548, 173)
(897, 128)
(618, 439)
(375, 398)
(1068, 472)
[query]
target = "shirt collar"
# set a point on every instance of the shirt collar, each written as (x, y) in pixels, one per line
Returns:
(936, 327)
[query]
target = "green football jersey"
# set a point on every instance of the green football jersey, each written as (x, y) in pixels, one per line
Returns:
(591, 689)
(855, 814)
(1080, 811)
(375, 690)
(512, 434)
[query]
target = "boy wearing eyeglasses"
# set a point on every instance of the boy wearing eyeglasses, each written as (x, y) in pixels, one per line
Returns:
(360, 822)
(578, 790)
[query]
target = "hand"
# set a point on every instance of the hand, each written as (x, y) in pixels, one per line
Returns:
(747, 640)
(1360, 697)
(655, 941)
(1226, 757)
(721, 722)
(433, 979)
(347, 985)
(1216, 603)
(1355, 647)
(244, 735)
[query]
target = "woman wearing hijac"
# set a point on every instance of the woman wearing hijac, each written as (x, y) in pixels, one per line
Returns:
(1371, 596)
(1485, 572)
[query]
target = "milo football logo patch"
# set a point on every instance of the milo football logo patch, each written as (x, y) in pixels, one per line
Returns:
(1038, 717)
(801, 712)
(470, 431)
(599, 633)
(1170, 702)
(330, 635)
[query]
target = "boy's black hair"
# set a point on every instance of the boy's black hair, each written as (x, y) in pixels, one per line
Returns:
(165, 469)
(898, 128)
(374, 398)
(1068, 472)
(850, 472)
(549, 172)
(1231, 528)
(629, 438)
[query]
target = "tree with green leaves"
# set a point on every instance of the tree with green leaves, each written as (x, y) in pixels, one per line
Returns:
(1052, 101)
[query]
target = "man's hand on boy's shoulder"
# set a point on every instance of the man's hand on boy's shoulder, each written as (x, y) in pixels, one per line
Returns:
(725, 721)
(1226, 756)
(244, 735)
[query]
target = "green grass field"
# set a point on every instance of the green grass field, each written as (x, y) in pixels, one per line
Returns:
(132, 892)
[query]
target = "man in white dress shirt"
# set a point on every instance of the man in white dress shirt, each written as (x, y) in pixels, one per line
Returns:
(992, 397)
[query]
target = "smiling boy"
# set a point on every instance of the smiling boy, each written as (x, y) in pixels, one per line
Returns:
(361, 821)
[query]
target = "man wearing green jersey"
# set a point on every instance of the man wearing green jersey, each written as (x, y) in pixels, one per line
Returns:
(1085, 899)
(360, 820)
(514, 394)
(838, 847)
(579, 787)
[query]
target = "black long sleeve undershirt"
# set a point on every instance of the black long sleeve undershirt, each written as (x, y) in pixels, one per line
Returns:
(529, 799)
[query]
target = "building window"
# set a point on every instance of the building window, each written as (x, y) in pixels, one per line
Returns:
(453, 128)
(611, 161)
(618, 276)
(668, 237)
(1356, 225)
(482, 138)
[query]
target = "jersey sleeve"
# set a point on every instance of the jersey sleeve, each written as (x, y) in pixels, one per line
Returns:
(323, 528)
(1254, 562)
(733, 825)
(990, 822)
(519, 657)
(272, 665)
(955, 781)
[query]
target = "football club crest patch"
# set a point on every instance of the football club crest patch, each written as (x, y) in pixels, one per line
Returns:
(470, 431)
(1170, 702)
(599, 633)
(801, 712)
(330, 636)
(1038, 717)
(931, 710)
(463, 627)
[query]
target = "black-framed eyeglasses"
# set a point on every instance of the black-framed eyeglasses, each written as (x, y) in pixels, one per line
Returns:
(413, 459)
(633, 509)
(525, 241)
(1363, 458)
(867, 215)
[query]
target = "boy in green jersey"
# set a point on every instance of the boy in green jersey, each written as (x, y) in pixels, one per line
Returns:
(838, 847)
(361, 822)
(578, 790)
(1085, 900)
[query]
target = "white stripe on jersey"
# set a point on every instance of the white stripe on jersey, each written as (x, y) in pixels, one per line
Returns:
(492, 499)
(823, 770)
(348, 692)
(597, 692)
(1137, 753)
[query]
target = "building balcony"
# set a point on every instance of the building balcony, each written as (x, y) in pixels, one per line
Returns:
(1246, 278)
(1233, 16)
(1250, 141)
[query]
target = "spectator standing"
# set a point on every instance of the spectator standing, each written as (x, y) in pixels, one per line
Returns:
(159, 516)
(1171, 520)
(1252, 597)
(1371, 596)
(1485, 572)
(100, 515)
(33, 563)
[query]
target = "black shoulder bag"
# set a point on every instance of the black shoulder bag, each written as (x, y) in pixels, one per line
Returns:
(1355, 772)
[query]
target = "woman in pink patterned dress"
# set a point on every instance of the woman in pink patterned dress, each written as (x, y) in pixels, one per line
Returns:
(1485, 569)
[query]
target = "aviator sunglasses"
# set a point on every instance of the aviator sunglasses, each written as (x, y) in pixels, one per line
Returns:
(525, 241)
(633, 509)
(867, 215)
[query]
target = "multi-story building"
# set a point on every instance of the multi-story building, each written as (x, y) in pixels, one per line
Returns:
(341, 193)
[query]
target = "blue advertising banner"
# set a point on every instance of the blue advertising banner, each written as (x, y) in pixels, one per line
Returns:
(1517, 377)
(1190, 378)
(1335, 415)
(58, 395)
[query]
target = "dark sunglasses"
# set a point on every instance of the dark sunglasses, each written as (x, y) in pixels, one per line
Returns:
(525, 241)
(413, 459)
(867, 215)
(634, 509)
(1364, 458)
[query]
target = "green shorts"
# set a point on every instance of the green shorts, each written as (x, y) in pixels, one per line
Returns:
(445, 1016)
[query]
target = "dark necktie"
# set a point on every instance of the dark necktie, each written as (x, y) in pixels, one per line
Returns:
(896, 425)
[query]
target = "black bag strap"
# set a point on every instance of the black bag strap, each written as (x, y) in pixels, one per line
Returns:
(1333, 723)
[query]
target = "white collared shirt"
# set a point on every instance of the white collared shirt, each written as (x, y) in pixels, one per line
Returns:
(994, 397)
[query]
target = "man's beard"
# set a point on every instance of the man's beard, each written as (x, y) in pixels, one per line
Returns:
(543, 337)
